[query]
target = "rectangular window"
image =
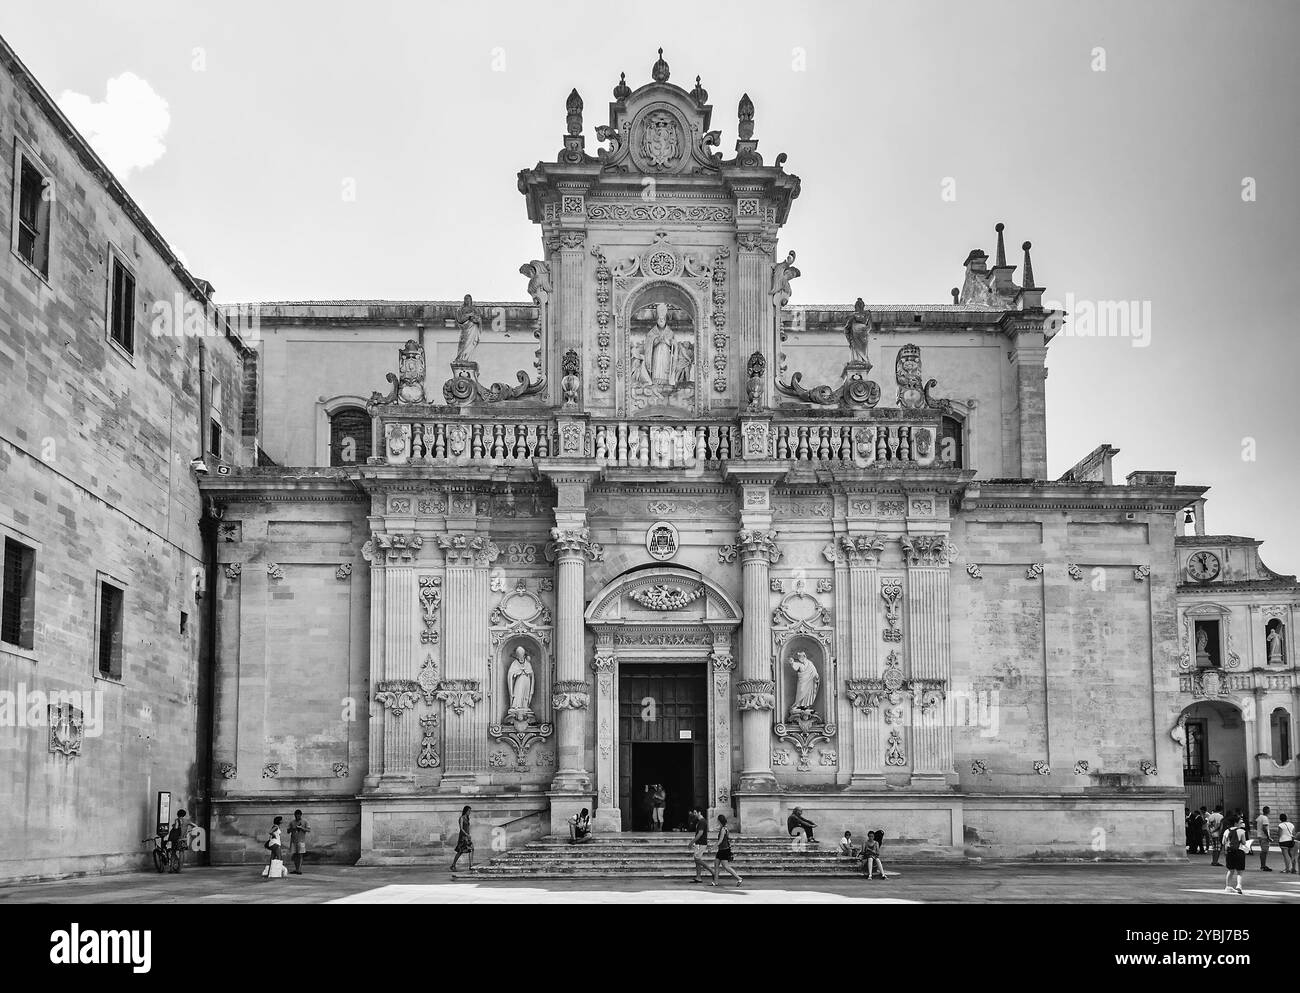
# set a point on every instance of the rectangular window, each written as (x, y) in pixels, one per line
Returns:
(214, 417)
(18, 607)
(31, 236)
(110, 630)
(1194, 756)
(121, 309)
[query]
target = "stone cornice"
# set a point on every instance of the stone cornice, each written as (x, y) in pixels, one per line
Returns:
(267, 484)
(1050, 495)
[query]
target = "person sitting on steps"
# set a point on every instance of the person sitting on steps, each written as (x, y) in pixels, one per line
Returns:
(797, 821)
(580, 828)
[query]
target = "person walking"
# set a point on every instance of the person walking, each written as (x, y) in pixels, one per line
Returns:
(275, 867)
(1215, 824)
(722, 857)
(699, 843)
(464, 843)
(658, 800)
(1261, 831)
(298, 831)
(1286, 842)
(1235, 844)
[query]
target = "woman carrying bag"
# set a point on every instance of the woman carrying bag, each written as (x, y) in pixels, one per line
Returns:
(722, 858)
(275, 868)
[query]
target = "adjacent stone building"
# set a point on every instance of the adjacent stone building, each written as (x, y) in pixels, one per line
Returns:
(656, 524)
(103, 624)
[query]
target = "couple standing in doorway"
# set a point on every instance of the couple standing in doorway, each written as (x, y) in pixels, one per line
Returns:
(653, 801)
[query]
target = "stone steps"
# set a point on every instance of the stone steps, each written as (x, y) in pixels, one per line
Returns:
(667, 856)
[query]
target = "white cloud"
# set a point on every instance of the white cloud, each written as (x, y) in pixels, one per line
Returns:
(127, 128)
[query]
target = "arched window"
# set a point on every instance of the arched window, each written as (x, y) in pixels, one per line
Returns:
(950, 445)
(1275, 642)
(1281, 726)
(349, 437)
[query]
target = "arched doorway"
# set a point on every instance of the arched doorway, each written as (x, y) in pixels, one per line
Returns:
(1215, 762)
(663, 714)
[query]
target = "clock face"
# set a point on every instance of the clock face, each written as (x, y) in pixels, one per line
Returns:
(1203, 566)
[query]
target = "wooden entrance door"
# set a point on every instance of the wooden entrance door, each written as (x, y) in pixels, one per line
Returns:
(663, 731)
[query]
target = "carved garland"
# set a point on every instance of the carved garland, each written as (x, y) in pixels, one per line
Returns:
(430, 601)
(720, 337)
(604, 318)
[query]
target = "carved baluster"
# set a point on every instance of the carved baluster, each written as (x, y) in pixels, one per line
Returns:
(599, 450)
(643, 433)
(782, 442)
(882, 445)
(846, 444)
(544, 441)
(801, 447)
(732, 441)
(620, 438)
(498, 448)
(521, 444)
(439, 450)
(905, 444)
(823, 443)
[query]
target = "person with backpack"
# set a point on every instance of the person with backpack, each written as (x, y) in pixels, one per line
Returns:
(1235, 845)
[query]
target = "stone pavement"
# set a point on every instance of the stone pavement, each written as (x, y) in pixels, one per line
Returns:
(971, 883)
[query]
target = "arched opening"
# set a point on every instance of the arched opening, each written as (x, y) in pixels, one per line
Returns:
(1215, 768)
(1280, 728)
(950, 441)
(349, 436)
(1275, 642)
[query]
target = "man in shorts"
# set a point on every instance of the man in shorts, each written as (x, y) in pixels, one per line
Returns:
(1215, 824)
(699, 843)
(1261, 830)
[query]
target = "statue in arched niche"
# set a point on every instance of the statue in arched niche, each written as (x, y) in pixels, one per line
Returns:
(521, 680)
(662, 357)
(1276, 644)
(807, 680)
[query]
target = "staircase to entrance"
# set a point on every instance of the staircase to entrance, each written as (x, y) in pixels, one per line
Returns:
(667, 855)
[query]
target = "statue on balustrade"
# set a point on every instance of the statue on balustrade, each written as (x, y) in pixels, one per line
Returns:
(471, 328)
(858, 331)
(520, 679)
(807, 680)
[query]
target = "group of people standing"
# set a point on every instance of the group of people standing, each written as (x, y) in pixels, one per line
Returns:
(298, 831)
(1229, 835)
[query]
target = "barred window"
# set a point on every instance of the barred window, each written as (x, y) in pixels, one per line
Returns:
(349, 437)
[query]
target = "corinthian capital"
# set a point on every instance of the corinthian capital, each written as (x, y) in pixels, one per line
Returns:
(463, 549)
(927, 549)
(753, 542)
(574, 541)
(862, 549)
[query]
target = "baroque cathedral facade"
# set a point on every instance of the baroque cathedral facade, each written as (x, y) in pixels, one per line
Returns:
(659, 525)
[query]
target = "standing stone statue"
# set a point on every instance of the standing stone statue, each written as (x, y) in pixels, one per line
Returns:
(1275, 646)
(782, 274)
(471, 327)
(806, 682)
(520, 678)
(1202, 649)
(857, 331)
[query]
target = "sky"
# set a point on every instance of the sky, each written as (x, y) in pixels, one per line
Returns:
(333, 150)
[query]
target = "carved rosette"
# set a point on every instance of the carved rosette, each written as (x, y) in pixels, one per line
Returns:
(427, 679)
(464, 549)
(397, 695)
(756, 694)
(233, 571)
(753, 543)
(571, 694)
(459, 694)
(343, 572)
(228, 770)
(570, 542)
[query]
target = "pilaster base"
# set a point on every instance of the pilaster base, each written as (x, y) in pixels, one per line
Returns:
(571, 781)
(608, 820)
(567, 804)
(930, 782)
(460, 783)
(759, 813)
(868, 781)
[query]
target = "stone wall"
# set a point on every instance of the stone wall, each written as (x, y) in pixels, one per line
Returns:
(95, 445)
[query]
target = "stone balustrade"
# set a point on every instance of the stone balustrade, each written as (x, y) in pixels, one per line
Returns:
(506, 441)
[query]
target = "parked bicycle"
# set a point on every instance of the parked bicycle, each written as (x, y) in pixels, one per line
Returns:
(167, 857)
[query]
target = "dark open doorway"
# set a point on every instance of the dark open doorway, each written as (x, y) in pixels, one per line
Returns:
(672, 766)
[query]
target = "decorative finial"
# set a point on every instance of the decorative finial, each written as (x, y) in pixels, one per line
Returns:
(573, 106)
(622, 91)
(700, 94)
(745, 111)
(956, 294)
(660, 71)
(1028, 274)
(1001, 258)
